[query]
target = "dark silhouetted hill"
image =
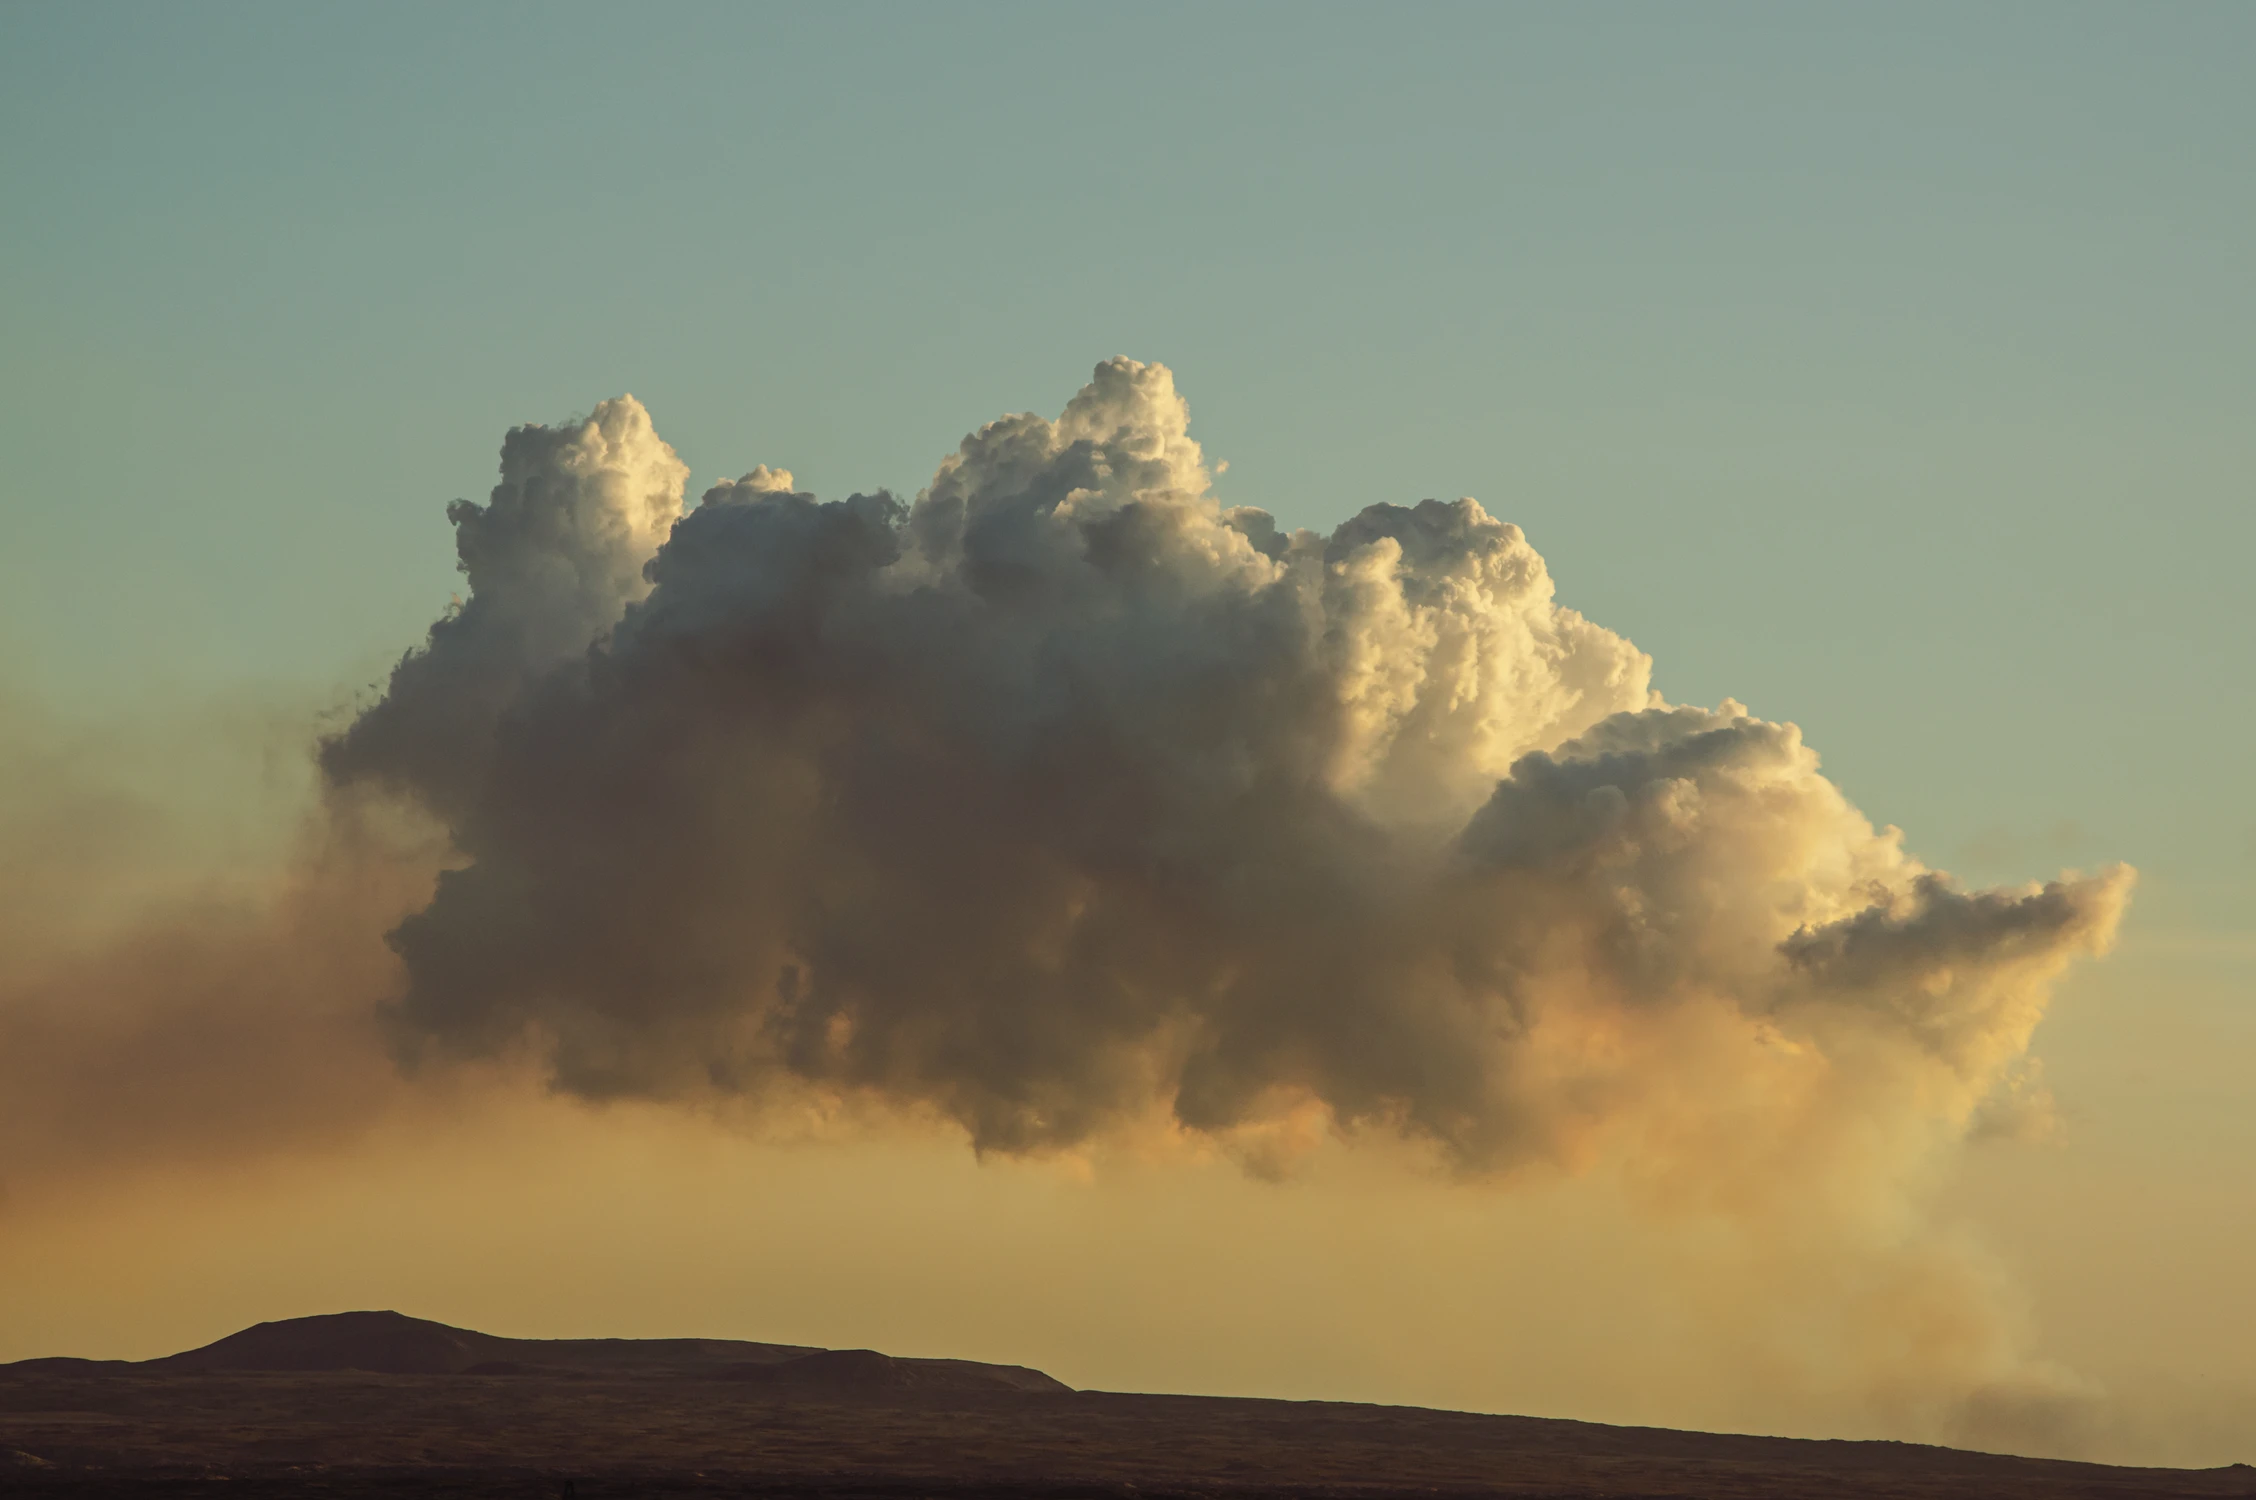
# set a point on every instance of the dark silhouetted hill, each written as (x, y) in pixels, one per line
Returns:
(390, 1343)
(376, 1406)
(868, 1370)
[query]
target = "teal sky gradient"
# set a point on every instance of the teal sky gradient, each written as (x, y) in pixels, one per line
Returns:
(1888, 368)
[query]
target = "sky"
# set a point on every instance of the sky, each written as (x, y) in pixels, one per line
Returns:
(1885, 371)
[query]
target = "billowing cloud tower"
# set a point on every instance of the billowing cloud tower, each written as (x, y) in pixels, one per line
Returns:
(1066, 800)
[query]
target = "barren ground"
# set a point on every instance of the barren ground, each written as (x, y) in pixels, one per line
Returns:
(250, 1435)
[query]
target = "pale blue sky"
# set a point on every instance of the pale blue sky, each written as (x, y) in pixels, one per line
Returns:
(1887, 368)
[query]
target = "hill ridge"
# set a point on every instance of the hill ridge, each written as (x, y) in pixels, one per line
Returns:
(716, 1418)
(388, 1342)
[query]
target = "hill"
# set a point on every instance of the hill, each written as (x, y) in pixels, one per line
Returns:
(390, 1343)
(367, 1404)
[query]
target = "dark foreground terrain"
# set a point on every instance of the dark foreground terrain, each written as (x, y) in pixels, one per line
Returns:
(374, 1404)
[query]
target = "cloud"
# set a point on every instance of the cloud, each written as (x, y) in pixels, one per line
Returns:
(1066, 798)
(551, 559)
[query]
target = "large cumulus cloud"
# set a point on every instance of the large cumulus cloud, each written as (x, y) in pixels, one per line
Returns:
(1065, 798)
